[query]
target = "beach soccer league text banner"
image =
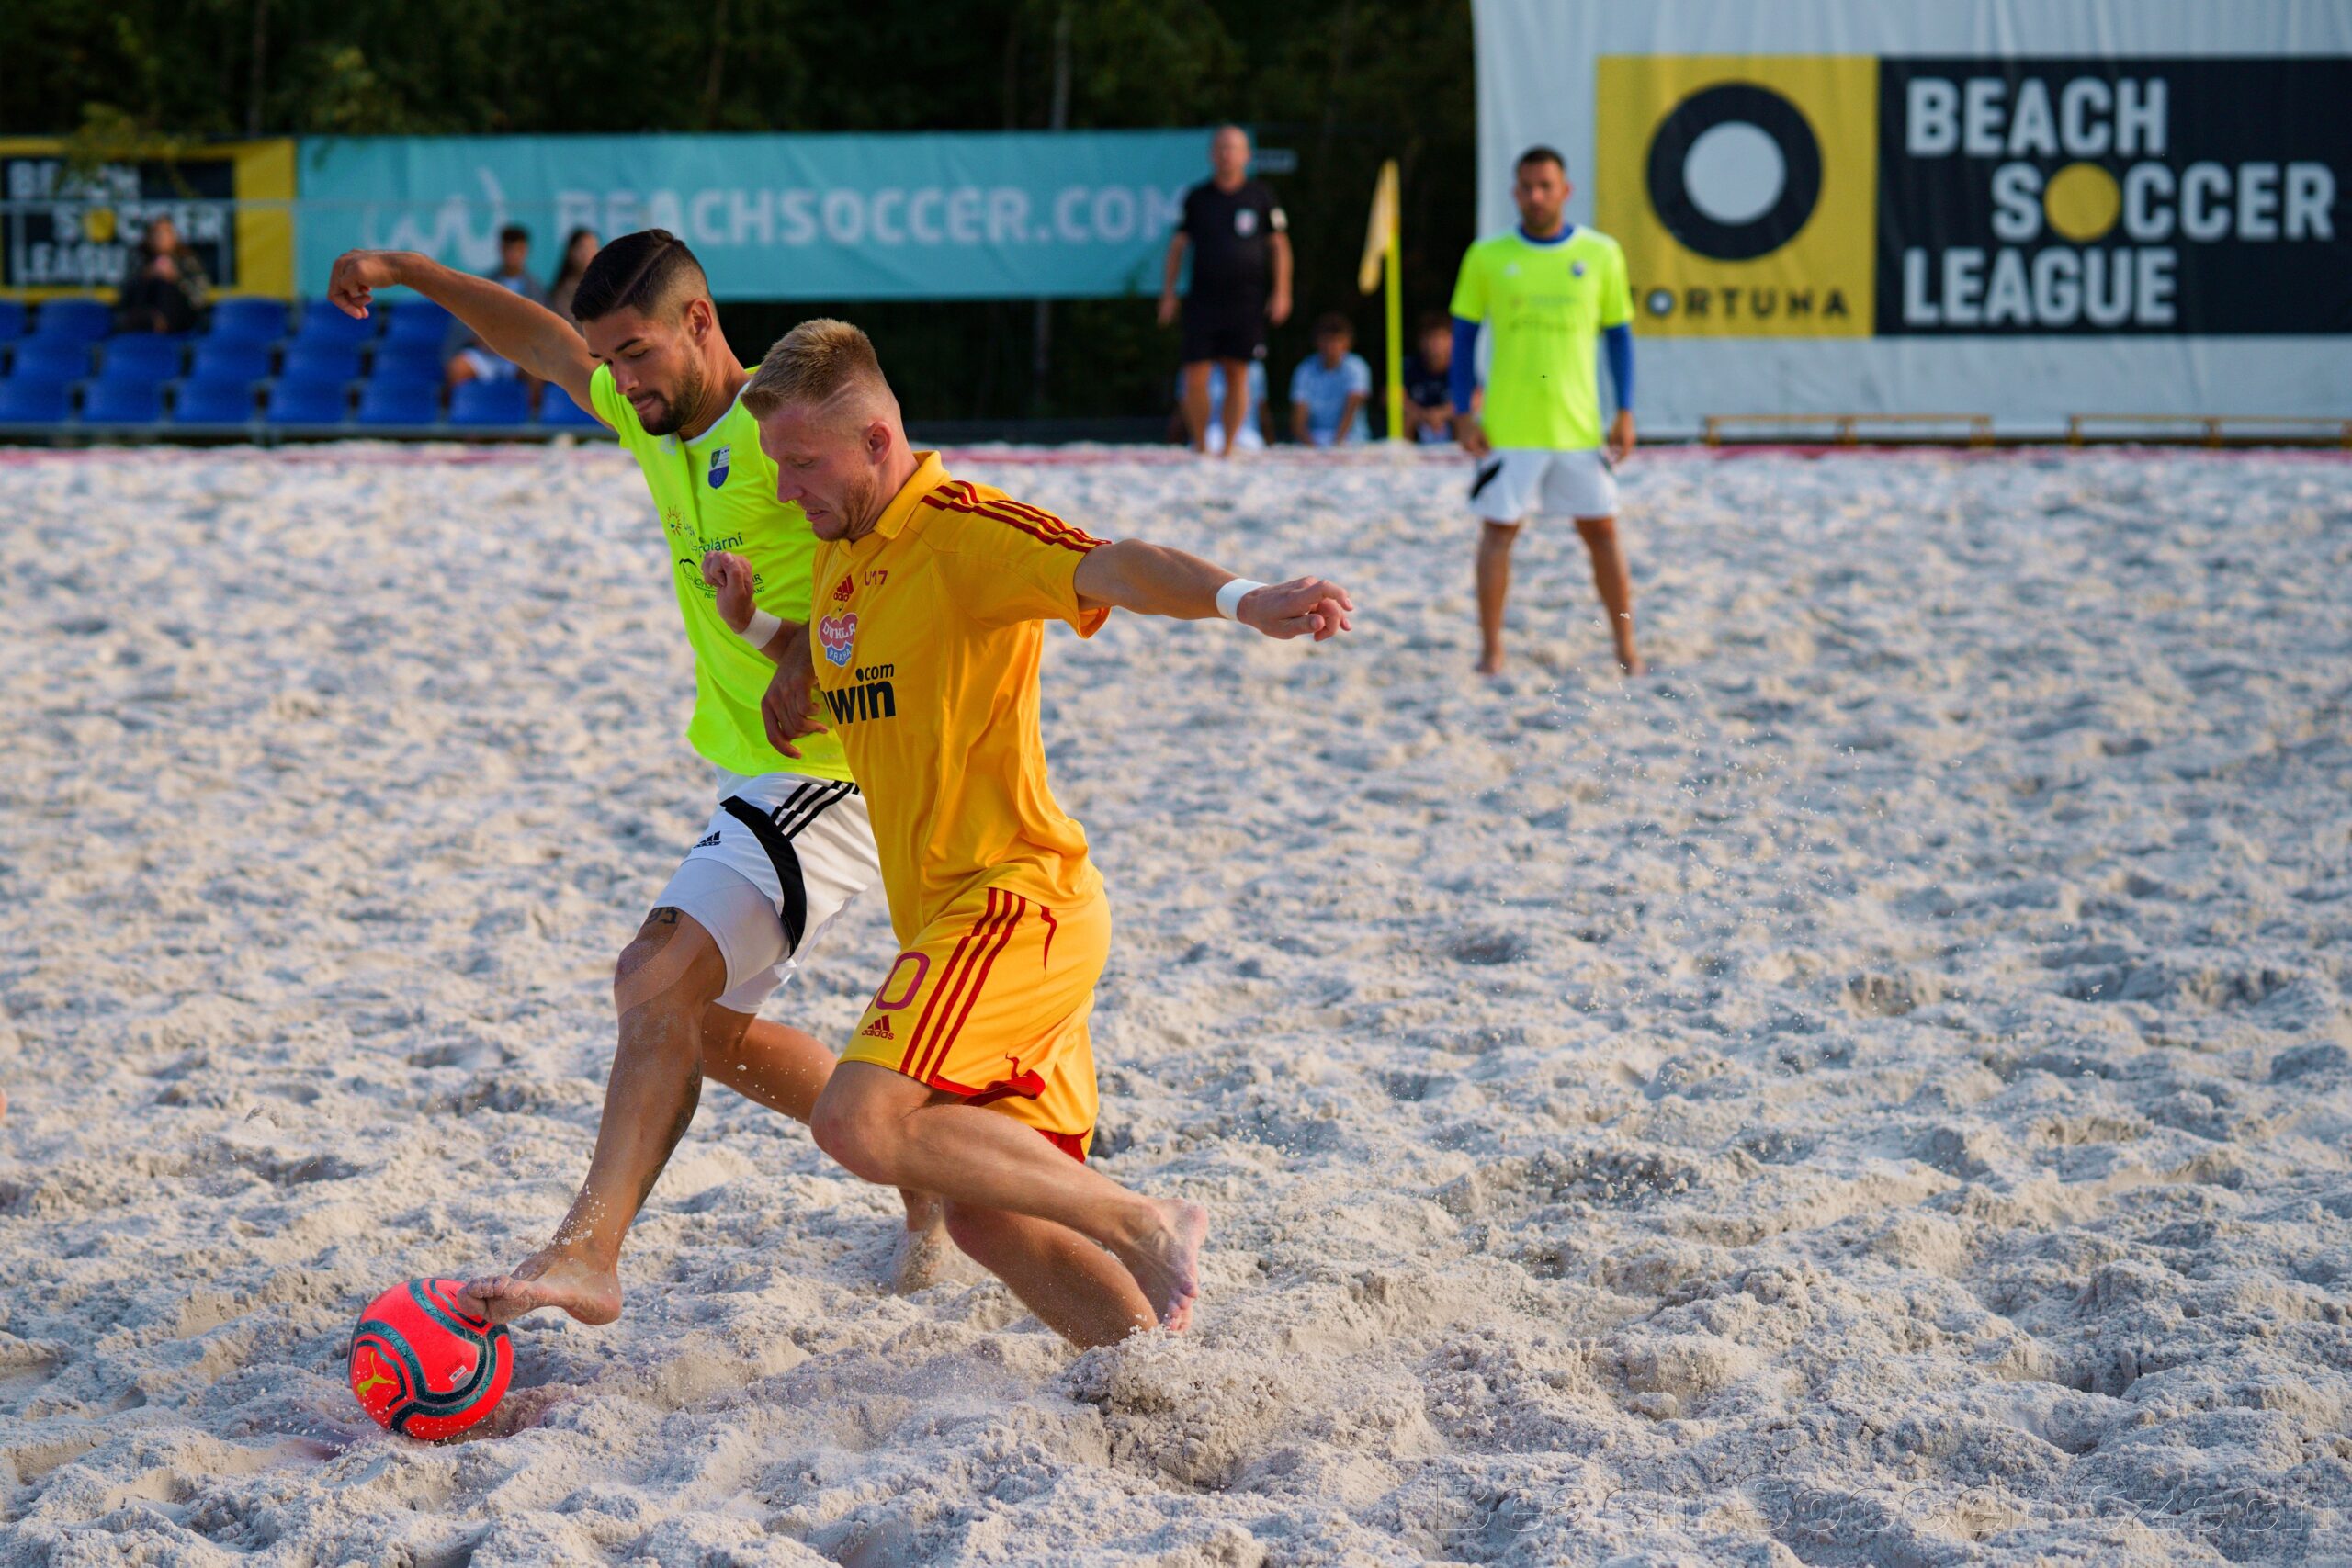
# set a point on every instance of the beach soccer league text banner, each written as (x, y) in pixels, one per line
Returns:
(68, 228)
(1793, 195)
(984, 215)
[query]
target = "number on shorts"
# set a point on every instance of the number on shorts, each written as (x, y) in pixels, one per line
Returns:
(881, 997)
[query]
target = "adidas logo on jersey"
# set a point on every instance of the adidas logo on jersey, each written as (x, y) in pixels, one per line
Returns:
(709, 843)
(878, 1029)
(842, 593)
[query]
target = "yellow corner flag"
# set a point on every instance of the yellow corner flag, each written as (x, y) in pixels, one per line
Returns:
(1383, 244)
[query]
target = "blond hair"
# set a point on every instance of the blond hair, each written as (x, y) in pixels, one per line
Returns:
(813, 363)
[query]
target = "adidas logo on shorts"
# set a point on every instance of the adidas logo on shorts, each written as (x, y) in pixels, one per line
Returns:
(878, 1029)
(709, 843)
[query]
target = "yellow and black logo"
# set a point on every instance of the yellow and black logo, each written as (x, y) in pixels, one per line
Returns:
(1743, 190)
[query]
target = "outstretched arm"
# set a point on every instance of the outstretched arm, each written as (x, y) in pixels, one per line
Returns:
(1153, 580)
(534, 337)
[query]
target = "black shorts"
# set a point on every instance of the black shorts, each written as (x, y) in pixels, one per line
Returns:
(1223, 329)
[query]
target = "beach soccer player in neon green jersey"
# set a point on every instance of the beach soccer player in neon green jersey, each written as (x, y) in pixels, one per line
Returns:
(1550, 293)
(789, 845)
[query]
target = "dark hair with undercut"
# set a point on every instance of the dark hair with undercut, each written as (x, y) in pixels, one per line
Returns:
(648, 271)
(1539, 154)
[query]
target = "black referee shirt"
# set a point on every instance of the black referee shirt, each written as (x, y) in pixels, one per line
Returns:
(1231, 233)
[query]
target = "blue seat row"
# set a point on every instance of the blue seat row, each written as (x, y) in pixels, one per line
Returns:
(153, 359)
(288, 399)
(241, 319)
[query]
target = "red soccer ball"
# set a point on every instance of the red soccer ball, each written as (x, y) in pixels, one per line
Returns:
(425, 1367)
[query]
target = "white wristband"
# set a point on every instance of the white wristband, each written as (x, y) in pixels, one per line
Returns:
(762, 630)
(1229, 597)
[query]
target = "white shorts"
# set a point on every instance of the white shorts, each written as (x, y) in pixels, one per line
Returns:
(784, 854)
(1511, 484)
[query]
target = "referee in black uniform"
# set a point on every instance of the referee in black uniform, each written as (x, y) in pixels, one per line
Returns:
(1240, 281)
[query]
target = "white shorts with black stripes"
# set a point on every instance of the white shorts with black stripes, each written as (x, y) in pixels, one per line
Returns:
(1512, 483)
(784, 854)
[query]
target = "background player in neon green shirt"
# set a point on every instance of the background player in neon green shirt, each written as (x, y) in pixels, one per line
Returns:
(790, 844)
(1548, 293)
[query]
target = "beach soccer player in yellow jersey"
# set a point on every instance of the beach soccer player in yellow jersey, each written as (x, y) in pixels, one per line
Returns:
(789, 845)
(1549, 292)
(971, 1074)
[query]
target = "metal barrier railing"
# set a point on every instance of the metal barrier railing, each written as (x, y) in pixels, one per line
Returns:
(1852, 429)
(2212, 430)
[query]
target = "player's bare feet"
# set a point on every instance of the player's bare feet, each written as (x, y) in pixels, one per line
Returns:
(924, 1247)
(1167, 1262)
(1631, 664)
(1491, 663)
(547, 1279)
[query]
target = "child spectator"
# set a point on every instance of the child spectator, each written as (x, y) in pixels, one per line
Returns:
(1328, 392)
(164, 284)
(1429, 400)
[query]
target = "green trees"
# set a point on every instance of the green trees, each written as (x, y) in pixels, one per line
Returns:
(1341, 83)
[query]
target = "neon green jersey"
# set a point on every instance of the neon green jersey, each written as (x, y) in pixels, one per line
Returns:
(1544, 307)
(718, 493)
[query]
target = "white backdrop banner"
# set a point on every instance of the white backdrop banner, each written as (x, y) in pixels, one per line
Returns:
(2026, 208)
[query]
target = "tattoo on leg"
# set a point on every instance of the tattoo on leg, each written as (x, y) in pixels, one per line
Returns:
(678, 1125)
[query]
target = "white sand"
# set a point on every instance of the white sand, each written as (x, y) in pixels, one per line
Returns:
(1877, 1092)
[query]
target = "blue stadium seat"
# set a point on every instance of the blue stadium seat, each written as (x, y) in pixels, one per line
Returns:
(50, 359)
(249, 321)
(26, 399)
(122, 403)
(292, 401)
(398, 402)
(139, 359)
(75, 320)
(408, 363)
(12, 320)
(323, 320)
(417, 320)
(309, 359)
(558, 410)
(490, 402)
(229, 359)
(202, 399)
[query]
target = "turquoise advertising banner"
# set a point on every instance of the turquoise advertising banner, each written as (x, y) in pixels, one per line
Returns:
(969, 216)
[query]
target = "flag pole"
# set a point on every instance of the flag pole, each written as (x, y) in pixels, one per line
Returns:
(1396, 322)
(1384, 252)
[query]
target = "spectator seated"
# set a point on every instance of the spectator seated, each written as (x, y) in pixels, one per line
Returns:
(139, 359)
(558, 412)
(202, 399)
(73, 321)
(249, 321)
(323, 320)
(311, 360)
(383, 401)
(27, 400)
(229, 359)
(50, 359)
(122, 403)
(12, 320)
(490, 403)
(407, 363)
(418, 321)
(290, 400)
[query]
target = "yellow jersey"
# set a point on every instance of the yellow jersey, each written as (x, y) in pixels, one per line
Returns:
(926, 635)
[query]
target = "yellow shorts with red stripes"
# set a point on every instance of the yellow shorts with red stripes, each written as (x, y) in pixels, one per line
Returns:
(990, 1003)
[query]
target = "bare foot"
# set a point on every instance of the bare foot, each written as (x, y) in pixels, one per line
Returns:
(1631, 664)
(1167, 1263)
(1491, 664)
(923, 1246)
(547, 1279)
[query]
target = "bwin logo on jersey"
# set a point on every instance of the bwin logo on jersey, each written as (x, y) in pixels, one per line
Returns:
(718, 467)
